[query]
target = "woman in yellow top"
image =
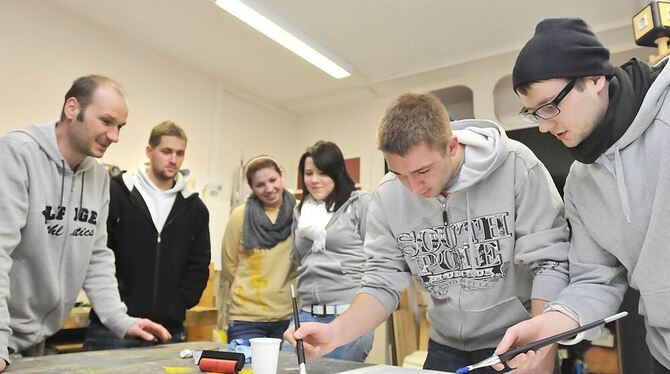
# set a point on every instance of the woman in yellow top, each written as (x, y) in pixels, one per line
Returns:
(256, 256)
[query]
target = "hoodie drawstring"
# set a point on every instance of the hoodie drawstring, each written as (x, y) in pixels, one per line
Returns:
(471, 244)
(62, 183)
(81, 194)
(621, 185)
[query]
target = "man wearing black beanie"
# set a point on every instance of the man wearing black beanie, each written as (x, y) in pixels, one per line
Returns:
(615, 121)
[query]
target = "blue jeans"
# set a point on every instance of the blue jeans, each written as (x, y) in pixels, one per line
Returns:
(99, 337)
(247, 330)
(355, 351)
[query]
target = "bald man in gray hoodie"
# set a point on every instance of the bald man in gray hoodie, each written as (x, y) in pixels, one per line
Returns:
(53, 239)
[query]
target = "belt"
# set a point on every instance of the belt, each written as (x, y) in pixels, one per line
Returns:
(322, 310)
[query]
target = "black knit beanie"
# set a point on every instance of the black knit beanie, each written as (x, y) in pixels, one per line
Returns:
(561, 48)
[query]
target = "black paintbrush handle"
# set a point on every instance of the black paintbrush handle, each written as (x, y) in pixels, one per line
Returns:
(550, 340)
(300, 350)
(296, 316)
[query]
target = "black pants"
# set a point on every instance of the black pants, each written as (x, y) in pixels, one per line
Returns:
(99, 337)
(445, 358)
(657, 368)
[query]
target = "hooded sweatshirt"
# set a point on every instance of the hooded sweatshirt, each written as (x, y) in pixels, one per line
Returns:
(158, 202)
(618, 209)
(53, 240)
(331, 274)
(502, 242)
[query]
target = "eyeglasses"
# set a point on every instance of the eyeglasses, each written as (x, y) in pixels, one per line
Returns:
(548, 110)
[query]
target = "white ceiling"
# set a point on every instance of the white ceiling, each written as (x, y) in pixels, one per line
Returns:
(384, 40)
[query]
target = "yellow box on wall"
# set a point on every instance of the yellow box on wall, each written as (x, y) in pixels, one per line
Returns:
(643, 22)
(651, 23)
(664, 13)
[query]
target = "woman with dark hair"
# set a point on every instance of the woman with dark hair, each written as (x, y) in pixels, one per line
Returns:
(256, 256)
(328, 229)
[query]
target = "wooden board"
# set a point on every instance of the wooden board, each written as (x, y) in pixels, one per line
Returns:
(404, 335)
(154, 360)
(77, 318)
(601, 360)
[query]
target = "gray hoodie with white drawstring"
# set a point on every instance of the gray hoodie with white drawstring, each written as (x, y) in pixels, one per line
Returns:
(618, 209)
(53, 240)
(505, 241)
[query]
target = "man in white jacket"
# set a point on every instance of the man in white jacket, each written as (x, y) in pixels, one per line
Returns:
(53, 237)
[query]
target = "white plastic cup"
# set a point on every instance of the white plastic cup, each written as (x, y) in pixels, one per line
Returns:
(264, 355)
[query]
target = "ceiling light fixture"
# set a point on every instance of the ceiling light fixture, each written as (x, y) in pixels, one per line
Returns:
(261, 23)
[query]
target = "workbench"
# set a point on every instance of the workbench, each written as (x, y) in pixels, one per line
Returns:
(162, 358)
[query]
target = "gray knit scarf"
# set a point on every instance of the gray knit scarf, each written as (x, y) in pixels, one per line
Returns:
(258, 231)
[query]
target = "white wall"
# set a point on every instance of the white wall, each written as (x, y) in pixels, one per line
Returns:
(44, 48)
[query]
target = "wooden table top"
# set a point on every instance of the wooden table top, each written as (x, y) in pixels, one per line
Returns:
(158, 359)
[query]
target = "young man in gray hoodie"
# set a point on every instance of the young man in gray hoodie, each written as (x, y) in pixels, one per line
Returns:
(615, 122)
(53, 239)
(471, 215)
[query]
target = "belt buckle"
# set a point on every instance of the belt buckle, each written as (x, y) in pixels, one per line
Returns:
(323, 311)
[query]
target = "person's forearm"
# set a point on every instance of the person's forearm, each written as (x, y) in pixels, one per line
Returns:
(364, 315)
(537, 307)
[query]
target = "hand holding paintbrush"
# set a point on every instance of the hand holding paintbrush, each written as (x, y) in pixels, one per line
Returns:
(496, 359)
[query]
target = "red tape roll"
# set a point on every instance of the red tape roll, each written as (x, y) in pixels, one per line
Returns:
(217, 366)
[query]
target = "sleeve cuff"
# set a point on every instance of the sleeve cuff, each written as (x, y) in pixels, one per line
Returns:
(4, 351)
(588, 335)
(121, 326)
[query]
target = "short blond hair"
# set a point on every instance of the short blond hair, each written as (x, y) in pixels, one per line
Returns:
(166, 128)
(411, 120)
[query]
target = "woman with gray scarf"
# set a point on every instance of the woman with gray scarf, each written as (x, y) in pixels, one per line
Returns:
(256, 256)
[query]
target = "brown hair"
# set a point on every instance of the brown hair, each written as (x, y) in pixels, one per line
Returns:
(257, 163)
(166, 128)
(83, 88)
(411, 120)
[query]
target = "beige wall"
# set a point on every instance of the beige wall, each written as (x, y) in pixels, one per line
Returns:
(44, 48)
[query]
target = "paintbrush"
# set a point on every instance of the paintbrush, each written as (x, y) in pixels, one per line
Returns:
(300, 349)
(538, 344)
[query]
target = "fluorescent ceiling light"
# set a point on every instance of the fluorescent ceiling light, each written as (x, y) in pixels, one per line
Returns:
(285, 38)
